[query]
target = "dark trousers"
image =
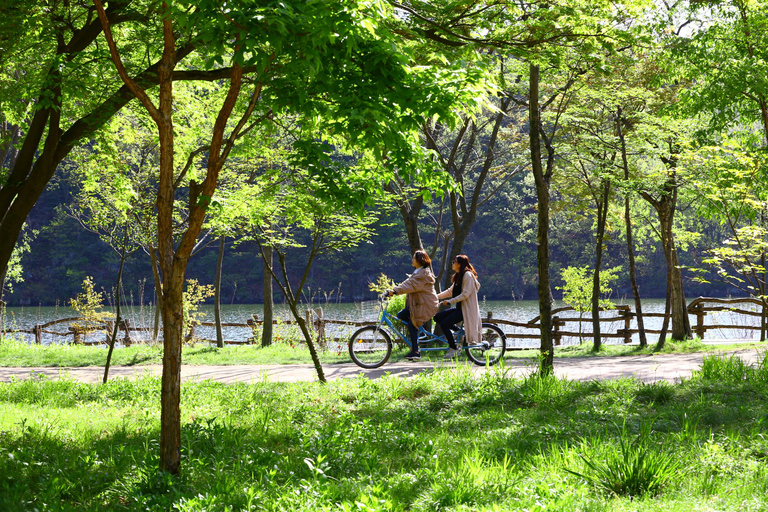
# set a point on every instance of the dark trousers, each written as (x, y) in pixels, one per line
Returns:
(447, 319)
(405, 316)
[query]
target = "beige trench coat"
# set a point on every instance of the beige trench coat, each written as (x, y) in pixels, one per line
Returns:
(470, 309)
(422, 299)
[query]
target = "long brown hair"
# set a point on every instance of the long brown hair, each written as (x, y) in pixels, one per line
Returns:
(422, 258)
(464, 266)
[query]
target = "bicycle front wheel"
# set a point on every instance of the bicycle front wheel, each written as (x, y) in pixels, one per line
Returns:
(491, 348)
(370, 347)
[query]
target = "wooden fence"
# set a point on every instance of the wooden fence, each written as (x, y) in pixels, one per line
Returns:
(621, 316)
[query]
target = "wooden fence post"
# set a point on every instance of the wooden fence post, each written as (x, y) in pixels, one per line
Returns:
(627, 314)
(320, 326)
(76, 335)
(38, 334)
(700, 327)
(556, 336)
(308, 320)
(127, 341)
(252, 323)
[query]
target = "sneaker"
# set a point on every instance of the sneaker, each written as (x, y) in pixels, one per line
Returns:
(413, 355)
(451, 353)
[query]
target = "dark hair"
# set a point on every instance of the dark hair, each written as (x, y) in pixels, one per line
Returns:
(422, 258)
(464, 265)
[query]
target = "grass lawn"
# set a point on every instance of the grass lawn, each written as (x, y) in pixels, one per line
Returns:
(13, 353)
(441, 441)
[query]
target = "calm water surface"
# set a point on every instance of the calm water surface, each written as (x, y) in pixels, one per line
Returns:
(519, 311)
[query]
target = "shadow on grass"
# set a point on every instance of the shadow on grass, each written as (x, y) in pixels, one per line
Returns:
(285, 440)
(138, 359)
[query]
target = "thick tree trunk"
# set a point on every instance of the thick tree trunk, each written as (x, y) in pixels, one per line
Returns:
(681, 325)
(602, 215)
(410, 214)
(217, 295)
(158, 292)
(269, 305)
(170, 396)
(542, 253)
(118, 286)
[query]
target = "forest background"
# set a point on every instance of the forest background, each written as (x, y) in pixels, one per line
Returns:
(502, 246)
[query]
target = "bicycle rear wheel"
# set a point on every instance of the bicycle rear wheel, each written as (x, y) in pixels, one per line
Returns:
(491, 349)
(370, 347)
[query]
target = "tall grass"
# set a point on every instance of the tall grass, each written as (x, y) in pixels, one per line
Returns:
(441, 441)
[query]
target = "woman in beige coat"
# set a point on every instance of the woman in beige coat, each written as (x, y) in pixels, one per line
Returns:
(464, 290)
(421, 303)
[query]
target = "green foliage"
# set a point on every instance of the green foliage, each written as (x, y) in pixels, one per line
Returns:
(87, 304)
(577, 287)
(731, 183)
(395, 304)
(732, 369)
(15, 273)
(194, 295)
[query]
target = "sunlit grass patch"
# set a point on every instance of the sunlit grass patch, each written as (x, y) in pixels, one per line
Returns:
(440, 441)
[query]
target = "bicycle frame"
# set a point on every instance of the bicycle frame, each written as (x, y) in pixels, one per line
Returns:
(424, 335)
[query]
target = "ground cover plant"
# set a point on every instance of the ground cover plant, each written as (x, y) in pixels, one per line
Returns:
(440, 441)
(287, 351)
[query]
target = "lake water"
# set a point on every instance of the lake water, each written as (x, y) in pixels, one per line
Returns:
(518, 311)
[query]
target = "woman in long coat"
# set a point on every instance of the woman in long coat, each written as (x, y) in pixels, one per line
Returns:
(463, 290)
(421, 303)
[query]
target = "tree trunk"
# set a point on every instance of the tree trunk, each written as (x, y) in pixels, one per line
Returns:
(602, 216)
(633, 277)
(410, 214)
(217, 295)
(546, 366)
(681, 325)
(170, 395)
(630, 242)
(266, 331)
(158, 292)
(116, 328)
(665, 208)
(665, 323)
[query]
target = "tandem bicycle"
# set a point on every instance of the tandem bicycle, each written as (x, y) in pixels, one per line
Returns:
(371, 346)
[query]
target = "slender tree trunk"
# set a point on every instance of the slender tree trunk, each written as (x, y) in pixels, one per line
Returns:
(173, 260)
(542, 253)
(116, 328)
(633, 277)
(602, 216)
(293, 304)
(630, 242)
(217, 295)
(667, 307)
(269, 305)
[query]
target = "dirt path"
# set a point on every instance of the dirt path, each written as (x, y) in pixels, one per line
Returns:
(647, 368)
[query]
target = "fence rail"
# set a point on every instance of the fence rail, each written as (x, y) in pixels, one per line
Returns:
(315, 320)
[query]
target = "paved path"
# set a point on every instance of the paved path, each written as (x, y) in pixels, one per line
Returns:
(648, 368)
